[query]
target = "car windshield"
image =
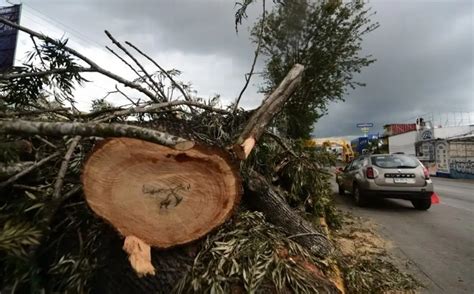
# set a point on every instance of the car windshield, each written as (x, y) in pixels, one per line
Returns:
(394, 161)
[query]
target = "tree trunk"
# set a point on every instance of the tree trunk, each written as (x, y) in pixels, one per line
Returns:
(262, 196)
(161, 196)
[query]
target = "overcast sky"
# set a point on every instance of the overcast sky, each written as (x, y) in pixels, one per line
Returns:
(424, 51)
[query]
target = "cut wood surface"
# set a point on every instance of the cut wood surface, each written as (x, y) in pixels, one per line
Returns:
(163, 196)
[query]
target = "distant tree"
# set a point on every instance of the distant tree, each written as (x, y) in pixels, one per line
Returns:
(324, 36)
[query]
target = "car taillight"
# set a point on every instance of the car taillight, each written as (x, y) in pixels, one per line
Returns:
(369, 173)
(426, 173)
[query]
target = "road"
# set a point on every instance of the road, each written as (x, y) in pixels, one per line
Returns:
(436, 245)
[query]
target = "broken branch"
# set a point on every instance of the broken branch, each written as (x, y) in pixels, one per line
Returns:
(29, 169)
(185, 95)
(91, 63)
(93, 129)
(64, 166)
(265, 113)
(156, 86)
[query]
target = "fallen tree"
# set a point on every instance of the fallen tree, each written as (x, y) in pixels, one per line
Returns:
(169, 177)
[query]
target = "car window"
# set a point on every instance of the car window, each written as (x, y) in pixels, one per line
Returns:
(394, 161)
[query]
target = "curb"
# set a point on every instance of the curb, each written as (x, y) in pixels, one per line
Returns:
(336, 278)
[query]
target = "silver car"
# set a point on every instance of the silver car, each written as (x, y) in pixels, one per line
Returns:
(387, 176)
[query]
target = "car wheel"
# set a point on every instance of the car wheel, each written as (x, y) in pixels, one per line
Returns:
(423, 204)
(359, 198)
(341, 189)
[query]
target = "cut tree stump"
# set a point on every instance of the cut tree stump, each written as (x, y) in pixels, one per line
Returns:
(159, 195)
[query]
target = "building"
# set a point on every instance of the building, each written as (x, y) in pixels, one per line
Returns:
(402, 143)
(460, 157)
(450, 157)
(445, 151)
(395, 129)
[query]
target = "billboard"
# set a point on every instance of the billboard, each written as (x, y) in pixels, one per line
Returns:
(8, 36)
(365, 125)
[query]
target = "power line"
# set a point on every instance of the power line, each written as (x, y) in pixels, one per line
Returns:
(65, 28)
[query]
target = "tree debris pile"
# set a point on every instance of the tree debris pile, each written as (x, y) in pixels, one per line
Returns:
(51, 240)
(78, 215)
(366, 264)
(249, 255)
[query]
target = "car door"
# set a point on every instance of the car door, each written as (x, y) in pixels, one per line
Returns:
(351, 173)
(346, 175)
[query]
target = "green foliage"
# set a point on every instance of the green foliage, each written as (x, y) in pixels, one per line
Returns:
(27, 90)
(73, 251)
(241, 12)
(15, 237)
(252, 256)
(324, 36)
(300, 171)
(20, 230)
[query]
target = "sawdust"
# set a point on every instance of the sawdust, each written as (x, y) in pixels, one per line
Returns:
(359, 237)
(365, 260)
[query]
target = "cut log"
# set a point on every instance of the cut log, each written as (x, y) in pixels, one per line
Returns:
(271, 106)
(163, 196)
(262, 196)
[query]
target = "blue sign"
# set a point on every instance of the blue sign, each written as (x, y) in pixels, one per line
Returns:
(373, 136)
(427, 135)
(365, 125)
(8, 36)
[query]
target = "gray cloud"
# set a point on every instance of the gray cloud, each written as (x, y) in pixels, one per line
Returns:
(424, 51)
(425, 64)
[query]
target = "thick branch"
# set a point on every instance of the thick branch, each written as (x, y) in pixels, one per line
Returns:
(58, 110)
(266, 112)
(91, 63)
(262, 196)
(93, 129)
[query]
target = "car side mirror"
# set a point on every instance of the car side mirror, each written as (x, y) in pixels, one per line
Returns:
(340, 169)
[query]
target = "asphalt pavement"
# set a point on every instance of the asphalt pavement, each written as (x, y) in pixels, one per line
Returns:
(437, 245)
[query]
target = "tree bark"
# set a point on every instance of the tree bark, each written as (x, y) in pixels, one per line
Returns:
(262, 196)
(271, 106)
(93, 129)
